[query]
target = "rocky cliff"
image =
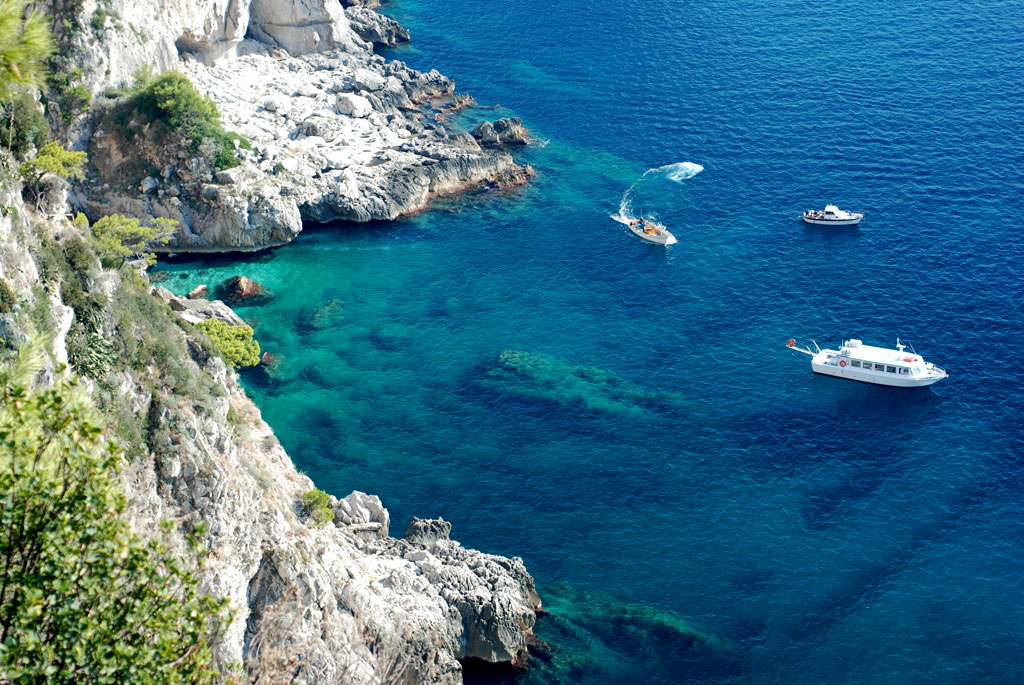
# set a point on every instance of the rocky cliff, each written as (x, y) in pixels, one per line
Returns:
(337, 132)
(335, 601)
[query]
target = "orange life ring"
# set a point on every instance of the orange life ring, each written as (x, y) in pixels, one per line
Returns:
(791, 342)
(842, 362)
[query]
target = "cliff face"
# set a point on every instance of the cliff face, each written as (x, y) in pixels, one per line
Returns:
(339, 602)
(338, 133)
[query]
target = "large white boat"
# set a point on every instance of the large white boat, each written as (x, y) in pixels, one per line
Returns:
(651, 231)
(832, 216)
(879, 365)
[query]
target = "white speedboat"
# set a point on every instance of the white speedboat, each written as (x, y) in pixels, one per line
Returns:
(832, 216)
(879, 365)
(651, 231)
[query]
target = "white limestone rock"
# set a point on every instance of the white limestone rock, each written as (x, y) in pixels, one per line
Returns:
(353, 105)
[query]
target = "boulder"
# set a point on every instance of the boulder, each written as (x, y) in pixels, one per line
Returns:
(503, 132)
(149, 184)
(364, 79)
(198, 292)
(242, 289)
(353, 105)
(427, 531)
(364, 514)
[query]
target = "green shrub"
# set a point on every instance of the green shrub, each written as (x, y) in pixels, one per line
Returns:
(84, 598)
(51, 158)
(316, 504)
(171, 98)
(7, 297)
(89, 353)
(234, 343)
(99, 19)
(27, 130)
(118, 238)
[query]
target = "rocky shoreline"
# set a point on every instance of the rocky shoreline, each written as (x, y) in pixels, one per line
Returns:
(338, 133)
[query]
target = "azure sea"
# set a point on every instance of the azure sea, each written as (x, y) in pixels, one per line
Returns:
(694, 503)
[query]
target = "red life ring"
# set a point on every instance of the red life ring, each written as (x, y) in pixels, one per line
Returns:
(842, 362)
(791, 342)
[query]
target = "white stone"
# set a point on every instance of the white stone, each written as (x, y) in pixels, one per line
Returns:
(353, 105)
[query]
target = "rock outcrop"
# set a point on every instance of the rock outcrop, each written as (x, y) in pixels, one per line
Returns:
(337, 132)
(376, 28)
(341, 602)
(503, 132)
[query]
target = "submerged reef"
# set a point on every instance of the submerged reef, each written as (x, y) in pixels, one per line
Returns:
(542, 377)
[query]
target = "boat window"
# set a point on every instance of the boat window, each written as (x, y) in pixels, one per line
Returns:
(855, 364)
(891, 369)
(879, 367)
(904, 371)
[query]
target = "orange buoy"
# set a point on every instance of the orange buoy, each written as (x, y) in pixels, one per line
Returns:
(791, 342)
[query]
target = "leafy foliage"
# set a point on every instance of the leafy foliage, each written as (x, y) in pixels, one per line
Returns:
(52, 158)
(317, 505)
(118, 238)
(25, 44)
(172, 99)
(83, 598)
(234, 343)
(7, 297)
(27, 127)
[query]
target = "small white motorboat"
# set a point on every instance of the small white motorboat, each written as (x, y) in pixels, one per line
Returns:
(879, 365)
(651, 231)
(832, 216)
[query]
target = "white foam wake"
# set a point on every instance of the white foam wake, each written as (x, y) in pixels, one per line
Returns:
(681, 171)
(678, 172)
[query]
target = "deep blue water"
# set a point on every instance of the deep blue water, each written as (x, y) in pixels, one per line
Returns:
(820, 530)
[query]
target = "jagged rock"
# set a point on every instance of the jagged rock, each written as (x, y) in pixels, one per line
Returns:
(198, 309)
(149, 184)
(475, 583)
(362, 513)
(427, 531)
(198, 292)
(503, 132)
(353, 105)
(242, 289)
(237, 174)
(376, 28)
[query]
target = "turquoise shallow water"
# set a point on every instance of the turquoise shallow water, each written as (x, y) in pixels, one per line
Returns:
(651, 449)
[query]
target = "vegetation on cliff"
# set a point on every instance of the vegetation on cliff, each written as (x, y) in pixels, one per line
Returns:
(233, 343)
(173, 103)
(82, 597)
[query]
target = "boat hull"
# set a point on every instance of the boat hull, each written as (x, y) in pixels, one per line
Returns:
(833, 222)
(667, 239)
(874, 377)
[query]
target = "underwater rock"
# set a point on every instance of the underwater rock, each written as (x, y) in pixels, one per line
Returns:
(268, 359)
(593, 636)
(542, 377)
(329, 314)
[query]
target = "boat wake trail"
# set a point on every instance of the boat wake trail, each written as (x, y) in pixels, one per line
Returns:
(678, 172)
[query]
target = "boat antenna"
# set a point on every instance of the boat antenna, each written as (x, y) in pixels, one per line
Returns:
(899, 344)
